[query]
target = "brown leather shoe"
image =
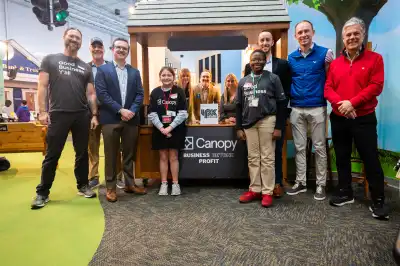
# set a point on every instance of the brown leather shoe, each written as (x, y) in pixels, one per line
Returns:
(111, 195)
(278, 191)
(136, 190)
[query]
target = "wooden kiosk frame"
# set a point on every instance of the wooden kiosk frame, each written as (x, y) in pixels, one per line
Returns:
(157, 36)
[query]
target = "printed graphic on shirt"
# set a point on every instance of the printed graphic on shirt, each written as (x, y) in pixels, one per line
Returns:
(167, 104)
(251, 92)
(164, 102)
(65, 68)
(68, 80)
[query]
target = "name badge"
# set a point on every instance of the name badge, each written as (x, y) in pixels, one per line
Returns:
(174, 96)
(171, 113)
(254, 102)
(166, 119)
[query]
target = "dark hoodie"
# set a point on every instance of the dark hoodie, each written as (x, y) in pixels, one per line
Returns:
(23, 114)
(271, 97)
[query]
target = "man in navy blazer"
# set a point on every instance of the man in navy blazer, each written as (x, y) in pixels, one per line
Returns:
(120, 92)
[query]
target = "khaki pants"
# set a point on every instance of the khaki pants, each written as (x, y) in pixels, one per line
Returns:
(93, 151)
(261, 155)
(315, 119)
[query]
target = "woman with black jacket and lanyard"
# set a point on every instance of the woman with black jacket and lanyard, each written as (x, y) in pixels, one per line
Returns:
(260, 117)
(168, 113)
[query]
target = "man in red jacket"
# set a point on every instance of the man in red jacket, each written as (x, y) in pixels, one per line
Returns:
(354, 82)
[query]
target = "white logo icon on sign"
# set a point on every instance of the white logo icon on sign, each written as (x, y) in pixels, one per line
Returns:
(189, 144)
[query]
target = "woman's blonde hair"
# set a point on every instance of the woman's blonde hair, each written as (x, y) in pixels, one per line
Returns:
(226, 90)
(189, 87)
(181, 73)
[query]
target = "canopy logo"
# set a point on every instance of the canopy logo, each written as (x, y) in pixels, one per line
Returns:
(159, 102)
(200, 143)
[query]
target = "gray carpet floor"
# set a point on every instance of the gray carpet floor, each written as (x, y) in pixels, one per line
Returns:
(207, 226)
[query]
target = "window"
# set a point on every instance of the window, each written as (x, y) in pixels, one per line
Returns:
(200, 67)
(213, 69)
(213, 64)
(219, 68)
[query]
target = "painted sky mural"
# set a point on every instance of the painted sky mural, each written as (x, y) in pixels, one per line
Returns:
(384, 33)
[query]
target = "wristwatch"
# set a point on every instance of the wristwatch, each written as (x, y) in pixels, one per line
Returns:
(95, 114)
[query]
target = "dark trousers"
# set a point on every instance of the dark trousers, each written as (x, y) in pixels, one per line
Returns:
(115, 136)
(363, 131)
(61, 123)
(278, 158)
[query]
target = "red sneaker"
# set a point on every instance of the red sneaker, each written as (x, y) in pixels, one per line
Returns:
(266, 200)
(249, 196)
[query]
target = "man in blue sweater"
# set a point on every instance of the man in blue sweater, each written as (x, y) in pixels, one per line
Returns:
(309, 65)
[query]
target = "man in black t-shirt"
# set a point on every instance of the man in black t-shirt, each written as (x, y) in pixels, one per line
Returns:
(67, 81)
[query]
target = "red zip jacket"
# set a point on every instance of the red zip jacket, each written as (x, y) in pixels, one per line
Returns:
(360, 82)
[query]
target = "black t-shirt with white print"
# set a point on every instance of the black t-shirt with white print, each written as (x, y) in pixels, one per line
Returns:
(172, 101)
(68, 79)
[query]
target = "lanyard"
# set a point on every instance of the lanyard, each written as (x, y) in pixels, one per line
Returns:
(255, 84)
(167, 101)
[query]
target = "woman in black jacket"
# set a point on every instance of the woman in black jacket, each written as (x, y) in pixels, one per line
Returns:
(227, 108)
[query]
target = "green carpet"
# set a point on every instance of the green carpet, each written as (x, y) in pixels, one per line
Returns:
(65, 232)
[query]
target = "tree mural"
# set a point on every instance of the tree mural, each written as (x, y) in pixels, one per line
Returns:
(339, 11)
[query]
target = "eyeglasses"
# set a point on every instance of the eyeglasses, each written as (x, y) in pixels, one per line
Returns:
(120, 48)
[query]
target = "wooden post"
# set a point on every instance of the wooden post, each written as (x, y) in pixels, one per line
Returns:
(284, 44)
(134, 58)
(284, 54)
(145, 69)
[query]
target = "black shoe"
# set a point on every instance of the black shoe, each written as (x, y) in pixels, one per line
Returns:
(379, 210)
(341, 197)
(39, 202)
(87, 192)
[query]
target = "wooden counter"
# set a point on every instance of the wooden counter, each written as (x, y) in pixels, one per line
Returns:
(147, 160)
(19, 137)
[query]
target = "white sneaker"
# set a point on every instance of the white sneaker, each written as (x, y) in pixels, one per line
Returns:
(163, 189)
(176, 190)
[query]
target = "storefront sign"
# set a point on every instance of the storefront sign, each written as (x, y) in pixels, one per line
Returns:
(209, 114)
(213, 152)
(19, 62)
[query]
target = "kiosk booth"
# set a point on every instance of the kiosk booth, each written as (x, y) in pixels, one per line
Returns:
(211, 151)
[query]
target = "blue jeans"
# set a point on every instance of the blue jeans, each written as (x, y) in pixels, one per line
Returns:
(278, 158)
